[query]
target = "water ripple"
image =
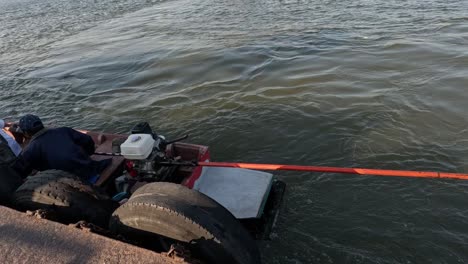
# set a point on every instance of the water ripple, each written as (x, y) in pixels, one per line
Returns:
(377, 84)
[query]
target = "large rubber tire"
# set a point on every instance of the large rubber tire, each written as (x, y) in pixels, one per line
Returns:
(66, 195)
(173, 211)
(9, 182)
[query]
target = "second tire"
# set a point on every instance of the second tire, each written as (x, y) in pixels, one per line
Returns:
(173, 211)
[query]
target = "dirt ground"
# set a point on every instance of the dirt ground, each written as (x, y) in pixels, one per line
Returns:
(27, 239)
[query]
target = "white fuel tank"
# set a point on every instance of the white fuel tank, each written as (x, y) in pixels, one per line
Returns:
(137, 146)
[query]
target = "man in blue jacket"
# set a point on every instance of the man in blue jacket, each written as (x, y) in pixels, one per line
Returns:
(57, 148)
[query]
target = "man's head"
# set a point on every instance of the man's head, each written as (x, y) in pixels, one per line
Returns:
(30, 125)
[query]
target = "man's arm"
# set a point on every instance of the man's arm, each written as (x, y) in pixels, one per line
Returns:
(24, 164)
(85, 141)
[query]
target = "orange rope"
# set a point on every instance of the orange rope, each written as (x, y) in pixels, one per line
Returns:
(359, 171)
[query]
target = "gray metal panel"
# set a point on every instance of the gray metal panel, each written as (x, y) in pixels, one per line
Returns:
(243, 192)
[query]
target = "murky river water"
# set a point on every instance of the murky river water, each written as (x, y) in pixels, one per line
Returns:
(378, 84)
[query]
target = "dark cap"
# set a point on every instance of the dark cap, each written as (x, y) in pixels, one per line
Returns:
(30, 123)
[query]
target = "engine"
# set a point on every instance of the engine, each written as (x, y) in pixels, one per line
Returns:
(145, 152)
